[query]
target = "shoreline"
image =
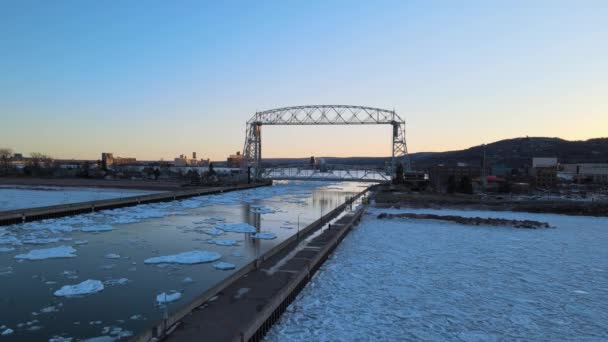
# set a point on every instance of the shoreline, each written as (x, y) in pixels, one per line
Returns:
(396, 199)
(95, 183)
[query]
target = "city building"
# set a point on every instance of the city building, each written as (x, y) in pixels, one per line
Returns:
(108, 160)
(587, 172)
(183, 160)
(544, 162)
(235, 160)
(439, 175)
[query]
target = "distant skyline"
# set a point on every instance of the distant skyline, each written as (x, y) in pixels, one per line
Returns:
(157, 79)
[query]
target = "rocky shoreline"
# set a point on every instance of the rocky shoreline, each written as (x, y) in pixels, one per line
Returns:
(474, 221)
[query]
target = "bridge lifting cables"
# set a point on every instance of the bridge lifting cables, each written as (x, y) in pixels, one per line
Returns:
(323, 115)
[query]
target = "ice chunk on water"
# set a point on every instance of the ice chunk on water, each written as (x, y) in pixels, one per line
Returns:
(264, 236)
(190, 257)
(58, 338)
(222, 242)
(237, 227)
(213, 231)
(224, 266)
(81, 242)
(112, 256)
(54, 228)
(48, 253)
(6, 249)
(119, 281)
(100, 339)
(187, 280)
(86, 287)
(7, 331)
(168, 297)
(97, 228)
(39, 241)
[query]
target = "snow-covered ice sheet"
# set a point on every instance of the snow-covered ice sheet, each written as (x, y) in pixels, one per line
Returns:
(17, 197)
(86, 287)
(400, 280)
(190, 257)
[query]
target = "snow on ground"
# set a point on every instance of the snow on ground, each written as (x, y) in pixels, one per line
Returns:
(86, 287)
(48, 253)
(404, 279)
(190, 257)
(18, 197)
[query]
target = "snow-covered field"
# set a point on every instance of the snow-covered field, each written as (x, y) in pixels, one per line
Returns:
(19, 197)
(412, 280)
(112, 273)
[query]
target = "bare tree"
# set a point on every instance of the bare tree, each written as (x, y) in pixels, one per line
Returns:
(39, 161)
(5, 156)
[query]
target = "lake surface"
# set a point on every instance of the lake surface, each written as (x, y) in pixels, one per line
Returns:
(29, 307)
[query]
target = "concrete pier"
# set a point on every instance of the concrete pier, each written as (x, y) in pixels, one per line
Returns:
(41, 213)
(244, 306)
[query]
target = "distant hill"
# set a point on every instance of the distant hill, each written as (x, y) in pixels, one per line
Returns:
(518, 152)
(514, 153)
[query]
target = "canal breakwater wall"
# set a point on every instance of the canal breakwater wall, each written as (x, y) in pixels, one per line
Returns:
(244, 305)
(34, 214)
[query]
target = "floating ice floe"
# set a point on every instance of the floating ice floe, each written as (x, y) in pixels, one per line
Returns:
(187, 280)
(222, 242)
(224, 266)
(264, 236)
(168, 297)
(52, 227)
(237, 227)
(213, 231)
(7, 331)
(6, 270)
(48, 253)
(190, 257)
(97, 228)
(9, 240)
(86, 287)
(6, 249)
(104, 338)
(112, 256)
(119, 281)
(40, 241)
(81, 242)
(58, 338)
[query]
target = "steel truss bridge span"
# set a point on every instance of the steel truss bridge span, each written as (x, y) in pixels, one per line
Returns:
(323, 115)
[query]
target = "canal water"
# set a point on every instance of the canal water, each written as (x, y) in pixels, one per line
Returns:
(29, 310)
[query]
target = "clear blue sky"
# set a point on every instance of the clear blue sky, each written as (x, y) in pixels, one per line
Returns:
(154, 79)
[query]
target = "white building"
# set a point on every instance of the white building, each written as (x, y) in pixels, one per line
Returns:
(544, 162)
